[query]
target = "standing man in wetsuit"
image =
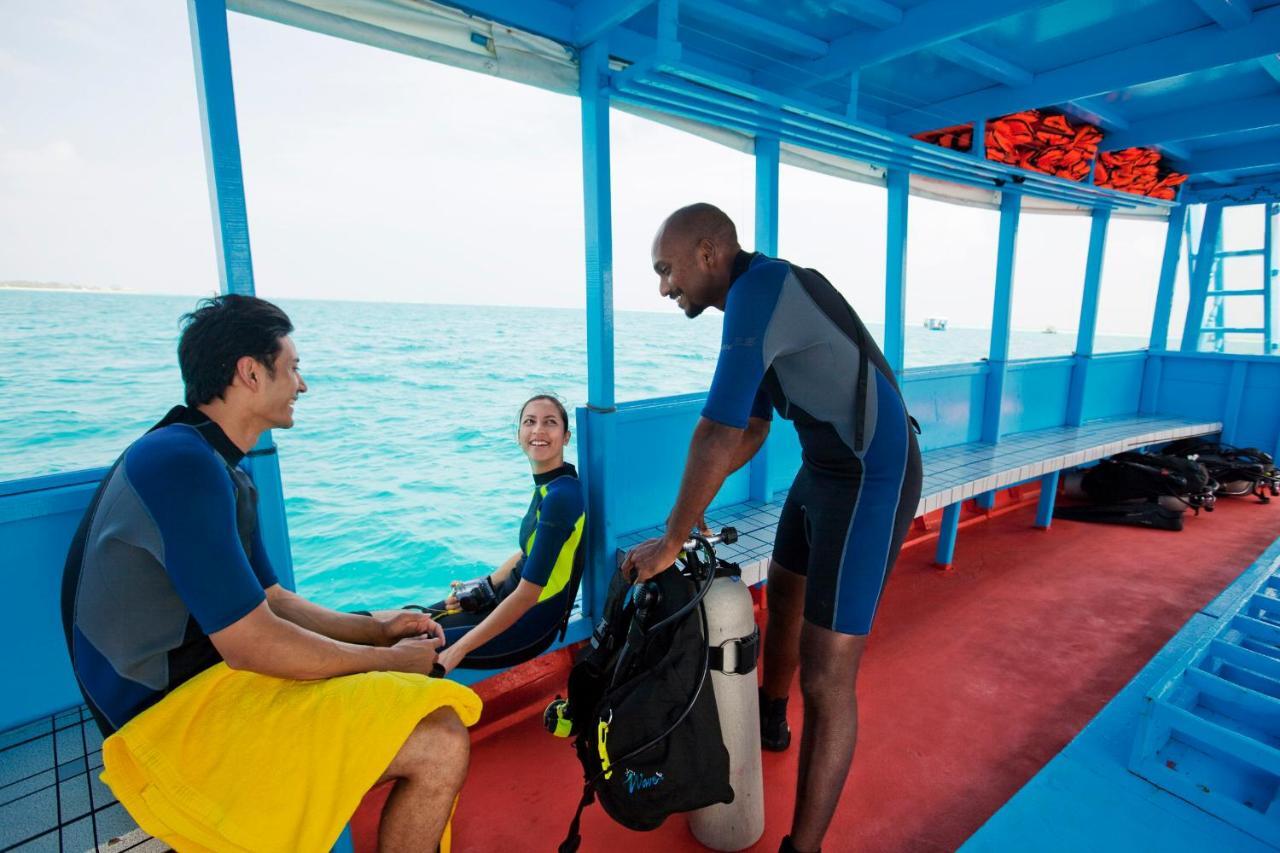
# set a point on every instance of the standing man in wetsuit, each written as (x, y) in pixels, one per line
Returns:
(792, 343)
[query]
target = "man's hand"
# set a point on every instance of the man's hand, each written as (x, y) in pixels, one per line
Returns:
(649, 558)
(416, 654)
(394, 625)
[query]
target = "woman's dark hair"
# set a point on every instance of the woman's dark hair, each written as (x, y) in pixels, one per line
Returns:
(220, 332)
(555, 401)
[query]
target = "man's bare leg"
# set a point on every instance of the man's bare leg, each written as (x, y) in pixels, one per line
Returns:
(828, 677)
(429, 771)
(782, 632)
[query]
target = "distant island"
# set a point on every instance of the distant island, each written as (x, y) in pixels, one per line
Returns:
(56, 285)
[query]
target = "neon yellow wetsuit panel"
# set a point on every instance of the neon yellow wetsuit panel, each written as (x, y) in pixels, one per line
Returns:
(551, 531)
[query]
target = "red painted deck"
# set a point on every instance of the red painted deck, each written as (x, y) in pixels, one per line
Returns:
(972, 680)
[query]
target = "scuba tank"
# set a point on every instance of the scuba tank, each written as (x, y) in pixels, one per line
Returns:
(735, 642)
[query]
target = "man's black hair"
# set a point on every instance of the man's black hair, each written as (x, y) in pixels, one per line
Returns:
(220, 332)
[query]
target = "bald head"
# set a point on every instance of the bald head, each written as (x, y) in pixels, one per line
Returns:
(696, 222)
(693, 254)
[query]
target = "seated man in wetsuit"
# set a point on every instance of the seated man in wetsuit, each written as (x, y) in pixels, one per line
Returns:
(792, 343)
(513, 614)
(226, 725)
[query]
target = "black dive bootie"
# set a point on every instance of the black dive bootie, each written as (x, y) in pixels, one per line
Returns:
(787, 848)
(775, 734)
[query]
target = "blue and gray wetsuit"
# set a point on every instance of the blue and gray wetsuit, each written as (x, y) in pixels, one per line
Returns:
(792, 343)
(551, 554)
(168, 552)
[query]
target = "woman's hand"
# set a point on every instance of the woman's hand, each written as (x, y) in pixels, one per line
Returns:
(396, 625)
(448, 660)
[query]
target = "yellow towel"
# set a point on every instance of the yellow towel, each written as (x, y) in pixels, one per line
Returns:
(236, 761)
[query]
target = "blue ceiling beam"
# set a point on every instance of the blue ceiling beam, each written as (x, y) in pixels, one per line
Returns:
(594, 18)
(983, 62)
(877, 13)
(1102, 115)
(753, 26)
(927, 25)
(1220, 119)
(1170, 149)
(1228, 13)
(541, 17)
(1252, 190)
(1271, 64)
(1256, 155)
(1173, 56)
(1220, 178)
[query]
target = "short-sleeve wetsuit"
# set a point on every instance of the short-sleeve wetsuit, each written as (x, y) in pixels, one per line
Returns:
(168, 552)
(551, 554)
(792, 342)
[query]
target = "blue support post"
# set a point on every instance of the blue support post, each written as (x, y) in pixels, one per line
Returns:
(1235, 401)
(1201, 272)
(216, 97)
(1269, 273)
(946, 550)
(767, 159)
(1088, 315)
(1048, 494)
(1001, 316)
(895, 271)
(599, 442)
(212, 54)
(1168, 276)
(1152, 372)
(985, 500)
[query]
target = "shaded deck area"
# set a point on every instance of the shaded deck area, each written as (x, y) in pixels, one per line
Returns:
(973, 680)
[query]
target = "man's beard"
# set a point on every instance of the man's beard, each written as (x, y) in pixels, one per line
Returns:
(694, 310)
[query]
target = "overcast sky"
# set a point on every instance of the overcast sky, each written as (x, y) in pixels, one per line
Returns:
(371, 175)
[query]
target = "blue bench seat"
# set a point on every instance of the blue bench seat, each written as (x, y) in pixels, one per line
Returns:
(956, 473)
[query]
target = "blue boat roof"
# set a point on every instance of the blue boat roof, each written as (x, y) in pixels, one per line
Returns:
(1198, 81)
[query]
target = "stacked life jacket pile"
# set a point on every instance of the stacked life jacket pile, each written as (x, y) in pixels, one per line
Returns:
(1054, 144)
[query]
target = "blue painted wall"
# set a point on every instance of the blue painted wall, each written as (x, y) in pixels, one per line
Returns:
(1035, 394)
(38, 517)
(947, 402)
(1114, 384)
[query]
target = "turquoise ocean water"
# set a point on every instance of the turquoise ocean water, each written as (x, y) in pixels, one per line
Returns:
(402, 471)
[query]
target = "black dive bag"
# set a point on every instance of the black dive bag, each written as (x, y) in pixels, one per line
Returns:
(1143, 490)
(642, 706)
(1150, 476)
(1237, 470)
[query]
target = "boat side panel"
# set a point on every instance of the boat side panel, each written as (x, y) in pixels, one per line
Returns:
(1035, 395)
(36, 527)
(947, 402)
(1114, 385)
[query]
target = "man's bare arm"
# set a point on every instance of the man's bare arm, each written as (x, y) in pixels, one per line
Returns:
(757, 431)
(346, 627)
(263, 642)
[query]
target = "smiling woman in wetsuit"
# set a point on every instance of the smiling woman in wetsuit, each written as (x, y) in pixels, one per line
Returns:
(513, 613)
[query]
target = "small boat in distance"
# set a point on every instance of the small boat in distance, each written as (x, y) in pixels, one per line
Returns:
(936, 324)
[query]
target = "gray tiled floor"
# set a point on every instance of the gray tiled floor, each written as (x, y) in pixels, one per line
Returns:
(955, 473)
(50, 796)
